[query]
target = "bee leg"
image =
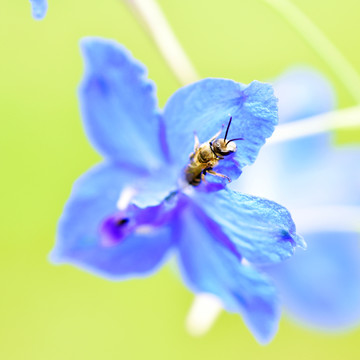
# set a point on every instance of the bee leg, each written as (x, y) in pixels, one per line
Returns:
(196, 143)
(216, 135)
(212, 172)
(203, 176)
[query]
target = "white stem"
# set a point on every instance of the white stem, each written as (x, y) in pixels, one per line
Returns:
(346, 73)
(151, 16)
(203, 313)
(340, 119)
(327, 218)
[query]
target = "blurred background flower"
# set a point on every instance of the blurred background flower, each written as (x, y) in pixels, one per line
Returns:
(64, 313)
(38, 9)
(320, 183)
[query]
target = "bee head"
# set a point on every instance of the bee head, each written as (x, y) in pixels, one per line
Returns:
(224, 147)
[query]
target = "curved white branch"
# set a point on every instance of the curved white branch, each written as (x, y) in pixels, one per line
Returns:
(327, 218)
(339, 119)
(155, 22)
(343, 69)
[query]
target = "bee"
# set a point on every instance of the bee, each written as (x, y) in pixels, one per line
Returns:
(207, 155)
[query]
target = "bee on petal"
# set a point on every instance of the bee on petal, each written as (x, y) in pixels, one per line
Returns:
(207, 155)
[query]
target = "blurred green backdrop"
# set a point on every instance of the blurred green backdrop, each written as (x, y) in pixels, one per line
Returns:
(49, 312)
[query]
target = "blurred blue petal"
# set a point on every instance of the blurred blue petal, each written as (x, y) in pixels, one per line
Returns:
(303, 92)
(333, 179)
(118, 105)
(323, 174)
(314, 157)
(208, 266)
(38, 9)
(206, 105)
(262, 230)
(321, 287)
(89, 238)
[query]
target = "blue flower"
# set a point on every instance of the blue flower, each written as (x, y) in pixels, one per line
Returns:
(38, 9)
(219, 236)
(320, 184)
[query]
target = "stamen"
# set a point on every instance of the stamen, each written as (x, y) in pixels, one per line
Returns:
(113, 230)
(203, 313)
(145, 229)
(122, 221)
(125, 198)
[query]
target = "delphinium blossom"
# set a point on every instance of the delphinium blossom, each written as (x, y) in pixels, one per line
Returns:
(38, 8)
(125, 216)
(320, 184)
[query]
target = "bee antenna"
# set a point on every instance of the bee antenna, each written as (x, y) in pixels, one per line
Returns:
(234, 140)
(227, 129)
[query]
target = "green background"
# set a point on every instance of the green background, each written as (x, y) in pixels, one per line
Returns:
(60, 312)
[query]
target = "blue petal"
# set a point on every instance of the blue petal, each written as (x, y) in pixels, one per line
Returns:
(205, 106)
(38, 9)
(303, 92)
(118, 105)
(309, 170)
(262, 231)
(320, 287)
(334, 179)
(208, 266)
(87, 235)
